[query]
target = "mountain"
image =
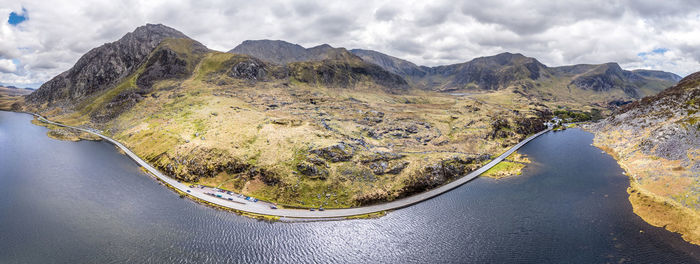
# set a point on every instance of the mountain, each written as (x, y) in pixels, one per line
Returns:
(609, 76)
(657, 141)
(320, 65)
(506, 70)
(14, 91)
(105, 66)
(484, 73)
(282, 52)
(606, 82)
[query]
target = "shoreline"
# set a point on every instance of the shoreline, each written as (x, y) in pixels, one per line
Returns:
(275, 214)
(657, 210)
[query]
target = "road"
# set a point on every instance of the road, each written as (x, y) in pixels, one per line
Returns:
(238, 203)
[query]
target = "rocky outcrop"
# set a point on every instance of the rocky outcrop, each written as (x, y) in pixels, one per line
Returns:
(384, 162)
(335, 153)
(205, 162)
(421, 132)
(118, 105)
(437, 174)
(528, 126)
(165, 63)
(246, 68)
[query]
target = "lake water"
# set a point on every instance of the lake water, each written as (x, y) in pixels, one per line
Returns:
(83, 202)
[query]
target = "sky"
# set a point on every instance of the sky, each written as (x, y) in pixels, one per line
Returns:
(40, 39)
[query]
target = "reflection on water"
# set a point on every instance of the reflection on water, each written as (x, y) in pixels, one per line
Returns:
(84, 202)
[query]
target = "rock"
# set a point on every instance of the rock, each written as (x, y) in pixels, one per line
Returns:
(247, 68)
(397, 168)
(285, 122)
(312, 170)
(440, 173)
(336, 153)
(371, 118)
(380, 156)
(379, 167)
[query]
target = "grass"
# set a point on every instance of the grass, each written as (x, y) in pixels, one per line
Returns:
(662, 213)
(65, 134)
(367, 216)
(504, 169)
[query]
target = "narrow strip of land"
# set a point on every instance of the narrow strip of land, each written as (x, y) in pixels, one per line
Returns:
(238, 203)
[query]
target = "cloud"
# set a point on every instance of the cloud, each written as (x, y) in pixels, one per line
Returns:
(425, 32)
(7, 66)
(386, 13)
(530, 17)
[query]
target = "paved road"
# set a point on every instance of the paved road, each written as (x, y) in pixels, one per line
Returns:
(264, 209)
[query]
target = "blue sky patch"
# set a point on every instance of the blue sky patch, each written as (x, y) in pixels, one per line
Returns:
(17, 18)
(654, 51)
(660, 50)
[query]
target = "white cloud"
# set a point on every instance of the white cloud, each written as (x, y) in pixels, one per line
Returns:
(7, 66)
(427, 33)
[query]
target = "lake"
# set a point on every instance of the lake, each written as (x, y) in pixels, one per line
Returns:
(83, 202)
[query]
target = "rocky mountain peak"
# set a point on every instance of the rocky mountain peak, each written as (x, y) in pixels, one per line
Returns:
(104, 66)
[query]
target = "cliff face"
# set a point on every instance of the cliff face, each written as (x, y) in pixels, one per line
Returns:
(103, 67)
(657, 141)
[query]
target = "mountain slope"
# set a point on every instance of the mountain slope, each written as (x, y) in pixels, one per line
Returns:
(394, 65)
(657, 141)
(105, 66)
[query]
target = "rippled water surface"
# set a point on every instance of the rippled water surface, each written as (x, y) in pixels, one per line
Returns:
(78, 202)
